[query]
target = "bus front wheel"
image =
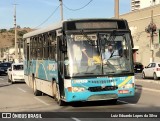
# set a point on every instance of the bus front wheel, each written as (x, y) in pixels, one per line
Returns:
(58, 98)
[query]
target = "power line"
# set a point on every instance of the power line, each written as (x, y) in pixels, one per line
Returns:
(47, 18)
(77, 8)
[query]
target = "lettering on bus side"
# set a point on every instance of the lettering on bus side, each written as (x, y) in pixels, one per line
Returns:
(52, 67)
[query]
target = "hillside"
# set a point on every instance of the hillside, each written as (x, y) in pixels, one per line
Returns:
(7, 37)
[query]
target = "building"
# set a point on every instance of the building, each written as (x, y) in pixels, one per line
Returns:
(140, 4)
(145, 50)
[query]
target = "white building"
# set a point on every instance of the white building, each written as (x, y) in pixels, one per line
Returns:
(139, 4)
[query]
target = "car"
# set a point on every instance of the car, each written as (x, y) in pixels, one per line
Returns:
(138, 67)
(4, 66)
(16, 73)
(152, 71)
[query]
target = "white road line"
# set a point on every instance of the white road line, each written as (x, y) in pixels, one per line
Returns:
(76, 119)
(41, 101)
(21, 89)
(1, 79)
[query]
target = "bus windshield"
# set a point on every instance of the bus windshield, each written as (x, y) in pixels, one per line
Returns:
(98, 53)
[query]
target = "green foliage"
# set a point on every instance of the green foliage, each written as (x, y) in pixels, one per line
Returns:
(11, 30)
(3, 30)
(21, 33)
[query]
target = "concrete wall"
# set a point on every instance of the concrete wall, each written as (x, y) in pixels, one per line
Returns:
(138, 21)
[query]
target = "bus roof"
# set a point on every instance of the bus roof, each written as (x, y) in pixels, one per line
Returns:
(59, 25)
(43, 30)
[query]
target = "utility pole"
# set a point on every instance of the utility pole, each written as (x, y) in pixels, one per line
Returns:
(152, 37)
(61, 7)
(19, 49)
(116, 8)
(15, 27)
(151, 28)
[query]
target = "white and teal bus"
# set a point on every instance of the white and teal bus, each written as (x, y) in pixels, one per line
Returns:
(65, 60)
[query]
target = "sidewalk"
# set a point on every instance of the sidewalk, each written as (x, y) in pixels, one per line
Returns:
(148, 83)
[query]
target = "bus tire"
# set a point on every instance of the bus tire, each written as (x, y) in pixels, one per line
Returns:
(35, 91)
(58, 98)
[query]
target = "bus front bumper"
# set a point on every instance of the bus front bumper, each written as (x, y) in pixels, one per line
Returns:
(97, 96)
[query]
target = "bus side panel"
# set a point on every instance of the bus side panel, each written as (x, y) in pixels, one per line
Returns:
(45, 72)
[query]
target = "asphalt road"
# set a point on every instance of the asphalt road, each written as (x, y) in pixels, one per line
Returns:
(19, 98)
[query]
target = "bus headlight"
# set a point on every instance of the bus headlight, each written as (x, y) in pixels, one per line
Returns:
(129, 85)
(76, 89)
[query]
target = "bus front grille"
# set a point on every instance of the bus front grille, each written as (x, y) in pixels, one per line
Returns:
(101, 88)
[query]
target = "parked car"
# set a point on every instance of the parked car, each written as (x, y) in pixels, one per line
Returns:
(138, 67)
(4, 66)
(152, 71)
(16, 73)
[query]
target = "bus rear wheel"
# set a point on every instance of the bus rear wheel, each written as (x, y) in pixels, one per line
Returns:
(35, 91)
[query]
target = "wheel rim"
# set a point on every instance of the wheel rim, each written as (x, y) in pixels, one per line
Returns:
(57, 94)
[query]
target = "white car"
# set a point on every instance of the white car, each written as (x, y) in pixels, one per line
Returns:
(152, 70)
(16, 73)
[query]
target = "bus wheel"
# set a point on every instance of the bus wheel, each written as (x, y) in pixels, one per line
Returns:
(36, 92)
(58, 98)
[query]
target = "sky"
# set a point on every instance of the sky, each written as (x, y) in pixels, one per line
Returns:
(40, 13)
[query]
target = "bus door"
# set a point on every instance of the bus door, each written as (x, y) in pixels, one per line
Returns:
(28, 56)
(61, 47)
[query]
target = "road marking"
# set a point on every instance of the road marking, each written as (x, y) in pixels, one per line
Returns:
(1, 79)
(41, 101)
(76, 119)
(21, 89)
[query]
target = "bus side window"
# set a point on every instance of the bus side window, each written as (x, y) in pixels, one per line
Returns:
(52, 46)
(39, 49)
(45, 46)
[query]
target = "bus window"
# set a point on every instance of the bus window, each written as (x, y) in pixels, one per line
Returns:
(45, 46)
(39, 49)
(52, 46)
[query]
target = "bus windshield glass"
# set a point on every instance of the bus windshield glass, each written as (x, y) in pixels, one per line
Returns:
(98, 54)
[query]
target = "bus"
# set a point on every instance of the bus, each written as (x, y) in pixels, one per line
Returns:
(56, 61)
